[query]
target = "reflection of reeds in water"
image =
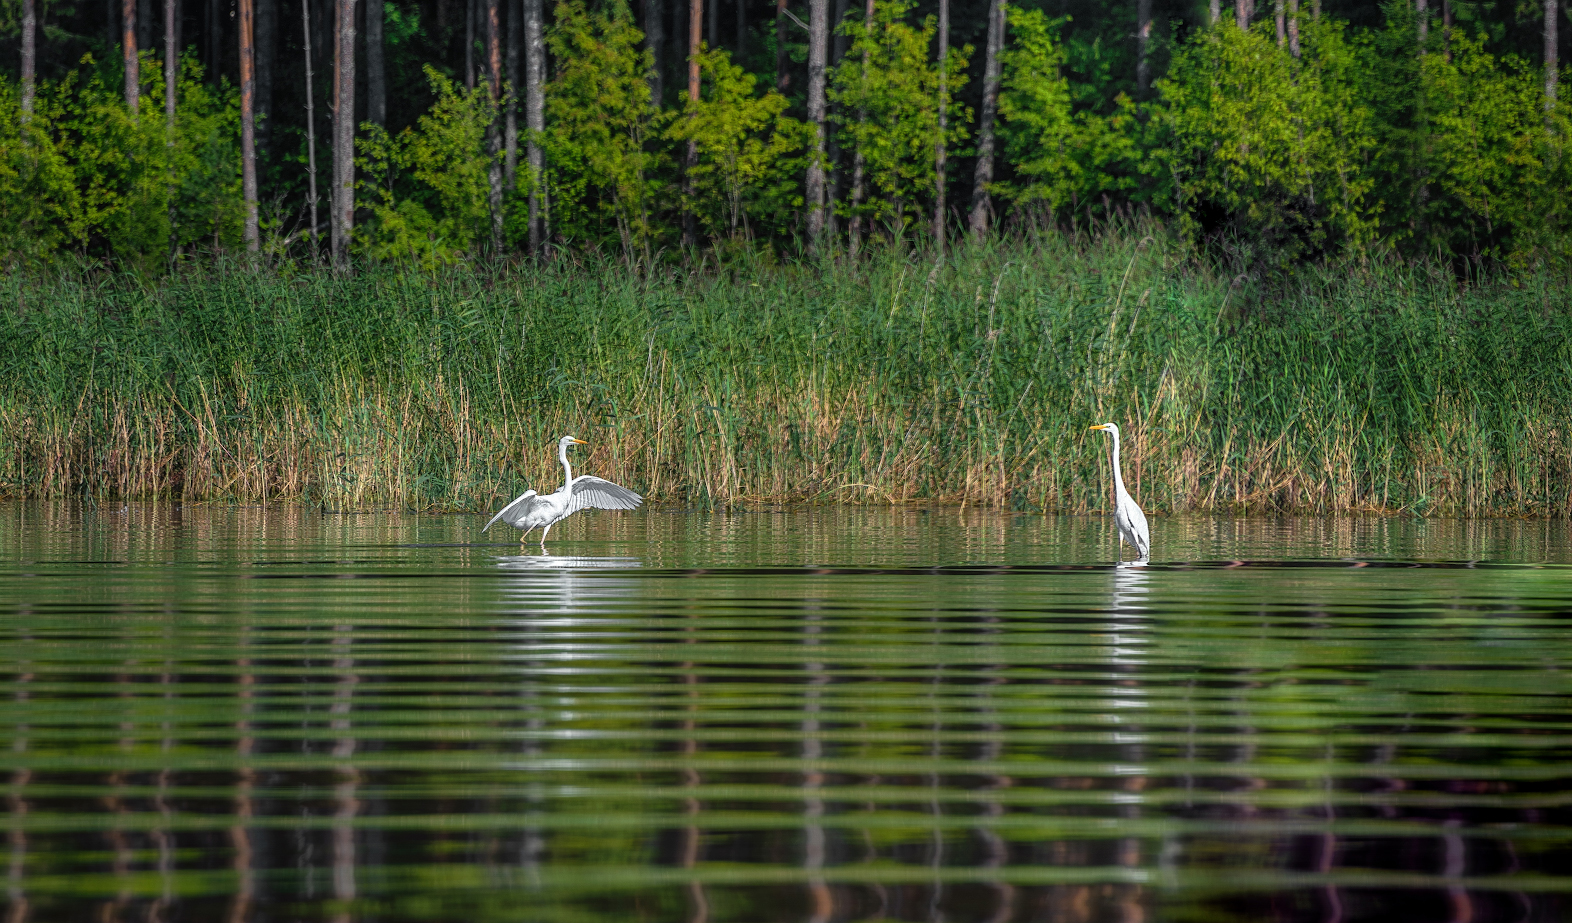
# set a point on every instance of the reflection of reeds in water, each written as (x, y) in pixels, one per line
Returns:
(1385, 387)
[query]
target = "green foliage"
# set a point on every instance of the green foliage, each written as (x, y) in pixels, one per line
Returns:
(887, 74)
(1063, 154)
(427, 187)
(1268, 148)
(603, 163)
(751, 154)
(81, 172)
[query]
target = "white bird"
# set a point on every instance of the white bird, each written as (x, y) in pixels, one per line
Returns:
(585, 492)
(1127, 515)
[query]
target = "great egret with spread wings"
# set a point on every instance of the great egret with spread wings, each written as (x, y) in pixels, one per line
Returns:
(585, 492)
(1127, 515)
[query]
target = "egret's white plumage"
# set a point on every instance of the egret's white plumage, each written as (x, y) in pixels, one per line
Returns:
(586, 492)
(1127, 515)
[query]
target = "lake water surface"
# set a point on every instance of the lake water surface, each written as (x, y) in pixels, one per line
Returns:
(215, 713)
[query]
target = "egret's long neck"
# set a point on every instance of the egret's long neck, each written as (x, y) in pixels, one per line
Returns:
(1118, 476)
(567, 469)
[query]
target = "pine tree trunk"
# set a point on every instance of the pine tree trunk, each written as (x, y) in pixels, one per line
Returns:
(128, 49)
(248, 123)
(981, 201)
(1280, 16)
(171, 66)
(859, 161)
(1242, 14)
(311, 126)
(1143, 41)
(1422, 22)
(510, 108)
(535, 118)
(818, 51)
(690, 224)
(343, 196)
(1214, 12)
(1552, 64)
(29, 54)
(939, 152)
(655, 41)
(1293, 27)
(782, 76)
(266, 50)
(376, 66)
(494, 128)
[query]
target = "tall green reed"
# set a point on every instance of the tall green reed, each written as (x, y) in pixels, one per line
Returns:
(1378, 387)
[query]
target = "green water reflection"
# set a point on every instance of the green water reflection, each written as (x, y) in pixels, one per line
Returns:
(272, 714)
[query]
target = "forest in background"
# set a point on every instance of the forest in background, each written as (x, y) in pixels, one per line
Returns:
(135, 134)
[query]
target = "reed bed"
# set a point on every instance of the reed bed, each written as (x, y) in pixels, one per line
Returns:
(1382, 387)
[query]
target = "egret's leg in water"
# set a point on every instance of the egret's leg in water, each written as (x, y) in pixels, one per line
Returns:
(545, 532)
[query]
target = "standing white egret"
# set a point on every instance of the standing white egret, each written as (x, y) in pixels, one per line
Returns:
(585, 492)
(1128, 516)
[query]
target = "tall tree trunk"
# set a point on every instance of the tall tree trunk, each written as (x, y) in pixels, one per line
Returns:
(981, 201)
(171, 65)
(469, 44)
(1552, 64)
(1280, 15)
(690, 224)
(832, 144)
(1293, 27)
(311, 126)
(128, 49)
(655, 41)
(1242, 13)
(859, 161)
(343, 131)
(1214, 12)
(535, 118)
(29, 54)
(1143, 43)
(510, 110)
(494, 128)
(248, 132)
(1422, 22)
(939, 152)
(376, 69)
(782, 76)
(266, 51)
(818, 52)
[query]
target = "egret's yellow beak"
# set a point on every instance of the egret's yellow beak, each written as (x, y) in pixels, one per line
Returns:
(1098, 426)
(579, 442)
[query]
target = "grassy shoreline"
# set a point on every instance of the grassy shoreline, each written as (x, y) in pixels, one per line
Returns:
(1383, 387)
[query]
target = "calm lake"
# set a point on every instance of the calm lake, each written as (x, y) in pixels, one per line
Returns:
(216, 713)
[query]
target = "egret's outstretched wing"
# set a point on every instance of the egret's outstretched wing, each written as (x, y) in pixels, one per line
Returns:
(516, 510)
(593, 493)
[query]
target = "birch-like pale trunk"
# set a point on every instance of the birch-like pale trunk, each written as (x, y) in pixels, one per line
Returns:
(534, 118)
(343, 132)
(510, 108)
(1552, 63)
(818, 52)
(1242, 14)
(1293, 27)
(311, 127)
(30, 54)
(982, 204)
(493, 26)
